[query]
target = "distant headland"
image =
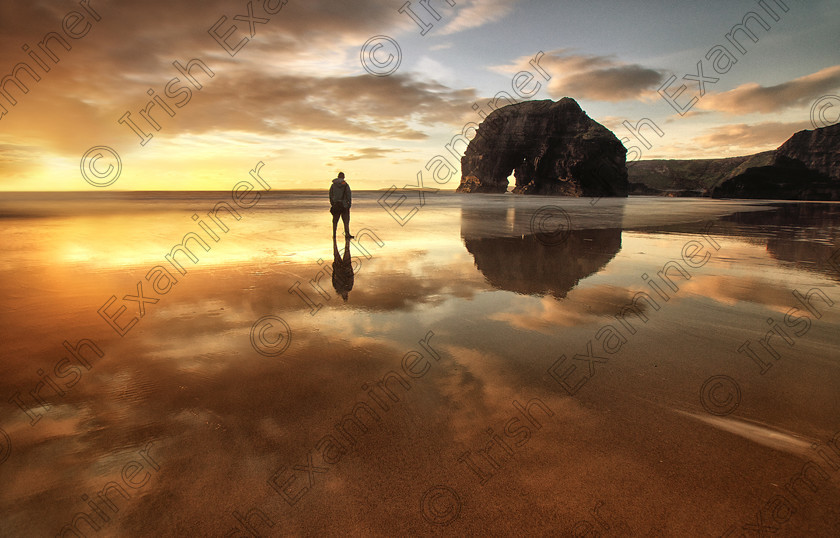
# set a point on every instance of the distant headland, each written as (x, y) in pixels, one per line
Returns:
(805, 167)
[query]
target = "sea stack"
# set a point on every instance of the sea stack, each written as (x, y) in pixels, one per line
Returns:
(551, 147)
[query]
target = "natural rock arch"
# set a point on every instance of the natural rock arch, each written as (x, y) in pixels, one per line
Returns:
(551, 148)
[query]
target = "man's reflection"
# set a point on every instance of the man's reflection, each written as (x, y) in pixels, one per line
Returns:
(342, 273)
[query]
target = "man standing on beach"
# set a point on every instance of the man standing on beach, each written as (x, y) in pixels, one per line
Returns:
(340, 200)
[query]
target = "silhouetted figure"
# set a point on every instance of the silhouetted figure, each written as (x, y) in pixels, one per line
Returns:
(340, 201)
(342, 273)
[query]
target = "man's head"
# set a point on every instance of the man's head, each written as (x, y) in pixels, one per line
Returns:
(341, 175)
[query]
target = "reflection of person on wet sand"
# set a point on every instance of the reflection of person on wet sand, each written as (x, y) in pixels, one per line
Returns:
(342, 273)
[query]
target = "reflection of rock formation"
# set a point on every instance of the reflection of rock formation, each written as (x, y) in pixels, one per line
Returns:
(806, 235)
(525, 265)
(551, 147)
(531, 265)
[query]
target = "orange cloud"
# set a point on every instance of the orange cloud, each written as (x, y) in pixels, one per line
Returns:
(368, 153)
(752, 97)
(746, 138)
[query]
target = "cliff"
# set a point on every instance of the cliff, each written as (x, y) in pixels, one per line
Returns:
(818, 150)
(551, 148)
(805, 167)
(681, 175)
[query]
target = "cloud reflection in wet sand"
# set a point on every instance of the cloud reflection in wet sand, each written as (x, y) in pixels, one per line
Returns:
(223, 418)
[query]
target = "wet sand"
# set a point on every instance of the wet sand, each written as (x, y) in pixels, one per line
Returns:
(475, 381)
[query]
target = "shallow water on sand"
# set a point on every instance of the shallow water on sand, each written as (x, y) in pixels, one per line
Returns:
(486, 364)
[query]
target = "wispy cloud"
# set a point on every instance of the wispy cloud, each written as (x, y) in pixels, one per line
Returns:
(752, 97)
(476, 13)
(368, 153)
(749, 138)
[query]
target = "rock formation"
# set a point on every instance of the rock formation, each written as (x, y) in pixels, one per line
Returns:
(661, 176)
(551, 147)
(776, 176)
(818, 150)
(806, 167)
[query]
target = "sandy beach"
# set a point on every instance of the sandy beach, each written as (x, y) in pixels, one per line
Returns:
(505, 365)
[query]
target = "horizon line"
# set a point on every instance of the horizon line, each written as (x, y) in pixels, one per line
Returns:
(383, 189)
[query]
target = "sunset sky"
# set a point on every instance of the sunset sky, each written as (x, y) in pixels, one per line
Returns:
(297, 96)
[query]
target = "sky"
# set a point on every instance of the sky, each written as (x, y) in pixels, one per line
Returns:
(317, 86)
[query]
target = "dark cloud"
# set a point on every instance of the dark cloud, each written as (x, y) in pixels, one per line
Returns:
(613, 84)
(291, 78)
(599, 78)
